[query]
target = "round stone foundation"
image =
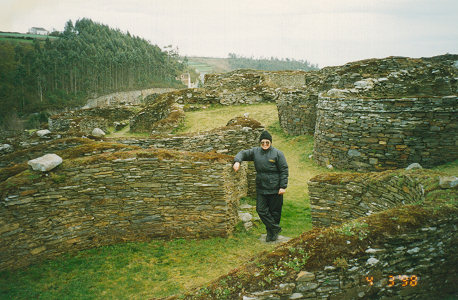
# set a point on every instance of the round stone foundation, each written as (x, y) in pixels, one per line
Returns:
(379, 134)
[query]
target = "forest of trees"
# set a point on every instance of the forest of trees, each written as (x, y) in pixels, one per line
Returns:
(87, 59)
(272, 64)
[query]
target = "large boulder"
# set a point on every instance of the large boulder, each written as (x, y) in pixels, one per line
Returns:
(45, 163)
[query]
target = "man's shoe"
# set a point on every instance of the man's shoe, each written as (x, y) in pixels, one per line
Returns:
(275, 235)
(269, 236)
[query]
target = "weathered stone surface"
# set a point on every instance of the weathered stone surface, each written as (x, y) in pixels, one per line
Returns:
(414, 166)
(125, 196)
(6, 148)
(85, 120)
(124, 98)
(97, 132)
(347, 137)
(397, 92)
(447, 182)
(43, 132)
(45, 163)
(336, 198)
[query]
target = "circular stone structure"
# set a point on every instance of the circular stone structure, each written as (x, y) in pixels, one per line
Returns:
(297, 110)
(366, 134)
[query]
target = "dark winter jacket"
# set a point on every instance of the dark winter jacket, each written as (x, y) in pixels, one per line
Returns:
(271, 168)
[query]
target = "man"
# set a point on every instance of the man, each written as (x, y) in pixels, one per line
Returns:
(271, 182)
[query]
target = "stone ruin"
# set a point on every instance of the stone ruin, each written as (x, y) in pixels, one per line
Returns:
(380, 235)
(378, 114)
(124, 98)
(114, 176)
(85, 120)
(122, 189)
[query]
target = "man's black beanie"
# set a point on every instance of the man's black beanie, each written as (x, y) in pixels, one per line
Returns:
(265, 135)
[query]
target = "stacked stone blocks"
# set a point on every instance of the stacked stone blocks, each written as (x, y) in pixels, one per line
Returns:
(117, 197)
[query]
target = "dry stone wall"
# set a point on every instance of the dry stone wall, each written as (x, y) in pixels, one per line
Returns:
(85, 120)
(116, 197)
(228, 140)
(337, 198)
(124, 98)
(379, 134)
(297, 111)
(405, 252)
(418, 264)
(371, 95)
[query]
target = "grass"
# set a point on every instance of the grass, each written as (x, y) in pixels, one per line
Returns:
(163, 268)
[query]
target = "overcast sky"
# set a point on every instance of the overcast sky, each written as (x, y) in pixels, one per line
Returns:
(324, 32)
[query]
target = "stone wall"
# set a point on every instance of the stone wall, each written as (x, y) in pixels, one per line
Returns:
(228, 140)
(285, 78)
(163, 115)
(367, 134)
(85, 120)
(116, 197)
(406, 252)
(297, 111)
(337, 198)
(124, 98)
(391, 78)
(241, 87)
(417, 264)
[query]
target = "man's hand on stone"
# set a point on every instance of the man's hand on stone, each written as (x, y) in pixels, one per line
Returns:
(236, 166)
(281, 191)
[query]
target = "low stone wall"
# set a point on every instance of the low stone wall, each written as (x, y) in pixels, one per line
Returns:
(286, 78)
(85, 120)
(123, 98)
(163, 115)
(241, 87)
(297, 111)
(337, 198)
(418, 264)
(379, 134)
(406, 252)
(228, 140)
(116, 197)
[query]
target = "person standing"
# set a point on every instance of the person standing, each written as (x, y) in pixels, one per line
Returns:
(271, 182)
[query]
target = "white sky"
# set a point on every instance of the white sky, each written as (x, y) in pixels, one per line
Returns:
(324, 32)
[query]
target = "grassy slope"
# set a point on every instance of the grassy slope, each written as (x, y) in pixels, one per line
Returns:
(163, 268)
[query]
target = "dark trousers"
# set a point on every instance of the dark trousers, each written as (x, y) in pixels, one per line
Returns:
(268, 207)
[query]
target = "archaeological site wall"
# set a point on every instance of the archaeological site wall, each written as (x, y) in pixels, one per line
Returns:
(395, 250)
(377, 114)
(227, 140)
(379, 134)
(338, 198)
(85, 120)
(124, 98)
(297, 111)
(116, 197)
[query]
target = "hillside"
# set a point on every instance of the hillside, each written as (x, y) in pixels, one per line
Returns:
(86, 59)
(233, 62)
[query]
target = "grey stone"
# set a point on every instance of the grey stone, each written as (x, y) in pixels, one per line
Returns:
(43, 132)
(45, 163)
(353, 153)
(306, 286)
(447, 182)
(97, 132)
(245, 217)
(5, 148)
(414, 166)
(372, 261)
(296, 296)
